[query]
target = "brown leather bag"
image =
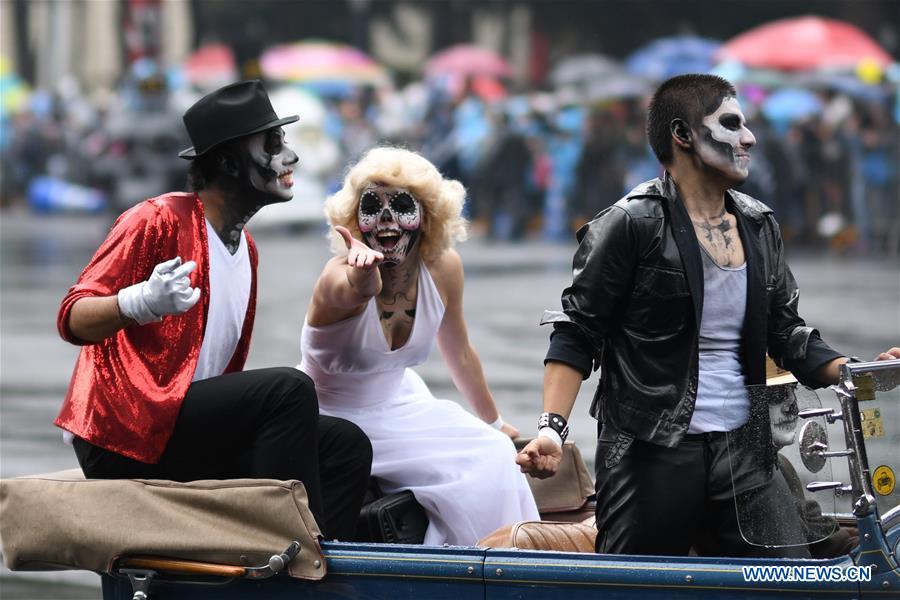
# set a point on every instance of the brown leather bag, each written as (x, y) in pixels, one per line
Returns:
(62, 521)
(544, 535)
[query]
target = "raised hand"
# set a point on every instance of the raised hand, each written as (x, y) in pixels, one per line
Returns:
(359, 255)
(168, 291)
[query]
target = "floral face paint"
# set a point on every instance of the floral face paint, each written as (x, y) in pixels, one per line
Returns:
(723, 141)
(390, 219)
(271, 169)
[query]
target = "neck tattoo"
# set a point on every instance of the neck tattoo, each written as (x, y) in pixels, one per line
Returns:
(723, 227)
(398, 277)
(235, 217)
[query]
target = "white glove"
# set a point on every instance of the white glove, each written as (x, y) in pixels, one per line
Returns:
(167, 292)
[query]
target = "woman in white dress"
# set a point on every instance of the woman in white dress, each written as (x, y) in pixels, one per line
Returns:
(394, 287)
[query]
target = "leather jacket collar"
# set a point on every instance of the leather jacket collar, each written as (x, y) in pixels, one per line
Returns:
(748, 206)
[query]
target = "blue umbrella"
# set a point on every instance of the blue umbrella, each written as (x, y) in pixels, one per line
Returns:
(791, 104)
(667, 57)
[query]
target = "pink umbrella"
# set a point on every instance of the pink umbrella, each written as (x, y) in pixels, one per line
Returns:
(211, 66)
(804, 43)
(467, 60)
(488, 88)
(317, 61)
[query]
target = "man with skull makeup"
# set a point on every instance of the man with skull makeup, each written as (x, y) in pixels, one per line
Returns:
(678, 292)
(378, 306)
(164, 313)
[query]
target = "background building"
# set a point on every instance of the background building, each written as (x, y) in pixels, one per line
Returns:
(95, 40)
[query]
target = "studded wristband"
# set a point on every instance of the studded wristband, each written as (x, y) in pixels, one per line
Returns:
(555, 422)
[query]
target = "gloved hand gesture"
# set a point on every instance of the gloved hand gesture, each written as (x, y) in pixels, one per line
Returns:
(167, 292)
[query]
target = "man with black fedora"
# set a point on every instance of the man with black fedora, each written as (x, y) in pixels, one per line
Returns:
(164, 313)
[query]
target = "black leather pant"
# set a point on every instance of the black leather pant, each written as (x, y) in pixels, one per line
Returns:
(263, 423)
(666, 501)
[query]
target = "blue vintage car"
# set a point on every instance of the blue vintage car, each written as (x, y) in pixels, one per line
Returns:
(841, 445)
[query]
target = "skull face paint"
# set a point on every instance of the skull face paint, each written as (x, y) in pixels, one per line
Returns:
(723, 142)
(783, 413)
(390, 219)
(271, 168)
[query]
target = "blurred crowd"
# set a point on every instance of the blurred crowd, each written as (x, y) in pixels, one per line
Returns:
(536, 163)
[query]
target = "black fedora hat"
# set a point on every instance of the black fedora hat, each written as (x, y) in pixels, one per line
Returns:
(229, 112)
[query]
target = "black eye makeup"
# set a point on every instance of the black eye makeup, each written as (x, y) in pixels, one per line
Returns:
(403, 203)
(732, 122)
(370, 203)
(274, 141)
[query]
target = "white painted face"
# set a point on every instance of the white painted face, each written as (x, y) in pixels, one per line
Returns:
(390, 219)
(783, 419)
(272, 165)
(723, 141)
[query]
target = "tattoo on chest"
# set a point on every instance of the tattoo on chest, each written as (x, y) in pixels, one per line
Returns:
(388, 314)
(719, 237)
(398, 307)
(397, 316)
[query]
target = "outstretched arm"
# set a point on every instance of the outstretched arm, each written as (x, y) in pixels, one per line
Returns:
(453, 341)
(346, 283)
(830, 372)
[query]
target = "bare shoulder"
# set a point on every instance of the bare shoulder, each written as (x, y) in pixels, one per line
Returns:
(447, 268)
(447, 272)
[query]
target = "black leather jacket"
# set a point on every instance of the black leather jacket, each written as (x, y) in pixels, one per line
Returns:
(635, 303)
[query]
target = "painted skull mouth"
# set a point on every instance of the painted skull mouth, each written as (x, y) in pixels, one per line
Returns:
(389, 238)
(786, 425)
(286, 179)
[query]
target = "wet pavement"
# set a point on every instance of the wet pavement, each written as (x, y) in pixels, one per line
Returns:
(852, 301)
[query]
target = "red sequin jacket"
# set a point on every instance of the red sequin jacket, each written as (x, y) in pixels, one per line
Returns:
(127, 389)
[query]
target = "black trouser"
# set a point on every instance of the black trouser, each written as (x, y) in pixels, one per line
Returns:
(665, 501)
(257, 424)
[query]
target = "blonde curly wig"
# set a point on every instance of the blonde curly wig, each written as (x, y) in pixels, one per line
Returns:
(441, 199)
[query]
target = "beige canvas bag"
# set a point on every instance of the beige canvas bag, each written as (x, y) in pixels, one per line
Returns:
(62, 521)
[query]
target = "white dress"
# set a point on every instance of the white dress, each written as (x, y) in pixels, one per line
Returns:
(461, 470)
